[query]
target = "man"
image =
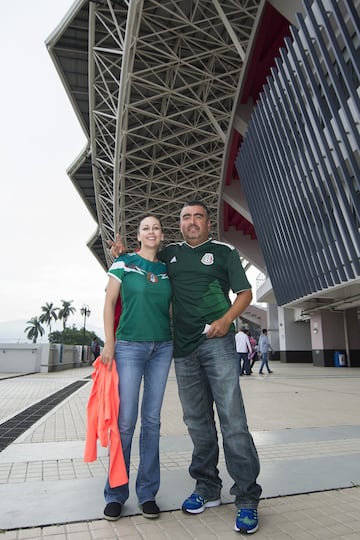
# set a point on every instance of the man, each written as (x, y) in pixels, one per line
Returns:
(264, 347)
(244, 350)
(202, 272)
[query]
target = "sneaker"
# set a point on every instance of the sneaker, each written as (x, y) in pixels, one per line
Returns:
(195, 504)
(150, 510)
(247, 521)
(112, 511)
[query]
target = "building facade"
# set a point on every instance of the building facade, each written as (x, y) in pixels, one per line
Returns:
(252, 106)
(294, 146)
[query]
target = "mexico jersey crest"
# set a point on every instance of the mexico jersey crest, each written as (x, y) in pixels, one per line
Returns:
(152, 277)
(207, 259)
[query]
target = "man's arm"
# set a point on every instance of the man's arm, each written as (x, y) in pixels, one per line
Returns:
(117, 247)
(221, 326)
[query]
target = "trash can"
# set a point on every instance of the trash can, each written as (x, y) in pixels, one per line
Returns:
(339, 359)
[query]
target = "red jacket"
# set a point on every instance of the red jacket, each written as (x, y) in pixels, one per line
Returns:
(102, 421)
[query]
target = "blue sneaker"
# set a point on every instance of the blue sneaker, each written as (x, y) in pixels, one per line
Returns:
(195, 504)
(247, 521)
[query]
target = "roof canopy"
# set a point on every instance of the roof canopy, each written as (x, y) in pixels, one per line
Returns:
(153, 85)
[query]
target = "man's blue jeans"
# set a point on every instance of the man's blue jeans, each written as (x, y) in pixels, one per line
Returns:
(135, 361)
(211, 374)
(244, 363)
(264, 362)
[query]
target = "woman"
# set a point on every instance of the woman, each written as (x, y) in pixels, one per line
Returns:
(254, 353)
(143, 351)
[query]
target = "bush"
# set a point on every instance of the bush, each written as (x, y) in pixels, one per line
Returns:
(73, 336)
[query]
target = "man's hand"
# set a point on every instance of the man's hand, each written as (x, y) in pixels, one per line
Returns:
(117, 247)
(218, 328)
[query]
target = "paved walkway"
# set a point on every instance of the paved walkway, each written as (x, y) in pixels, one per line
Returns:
(306, 425)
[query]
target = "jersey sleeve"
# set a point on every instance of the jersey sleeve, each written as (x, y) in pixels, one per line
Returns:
(237, 277)
(116, 270)
(162, 255)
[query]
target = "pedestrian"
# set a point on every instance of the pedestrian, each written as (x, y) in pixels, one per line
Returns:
(243, 349)
(264, 347)
(95, 348)
(254, 353)
(202, 272)
(143, 352)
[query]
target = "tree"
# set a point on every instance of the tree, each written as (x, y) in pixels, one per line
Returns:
(49, 314)
(65, 311)
(34, 330)
(73, 336)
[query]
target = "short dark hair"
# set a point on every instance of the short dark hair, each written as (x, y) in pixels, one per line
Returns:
(196, 202)
(264, 330)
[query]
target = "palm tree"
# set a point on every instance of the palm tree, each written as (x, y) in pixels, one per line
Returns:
(34, 330)
(49, 314)
(65, 311)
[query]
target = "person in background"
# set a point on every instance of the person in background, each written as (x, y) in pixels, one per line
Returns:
(202, 272)
(243, 349)
(264, 347)
(95, 348)
(143, 352)
(254, 353)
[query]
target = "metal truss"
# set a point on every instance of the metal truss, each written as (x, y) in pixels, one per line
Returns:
(162, 82)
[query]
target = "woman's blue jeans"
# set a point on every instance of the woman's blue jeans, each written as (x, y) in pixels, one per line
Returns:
(150, 362)
(211, 374)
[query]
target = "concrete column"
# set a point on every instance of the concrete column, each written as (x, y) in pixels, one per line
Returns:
(352, 320)
(294, 337)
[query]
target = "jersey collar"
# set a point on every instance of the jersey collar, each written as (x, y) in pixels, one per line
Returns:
(202, 244)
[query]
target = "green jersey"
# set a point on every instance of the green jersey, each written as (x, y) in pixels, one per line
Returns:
(201, 279)
(145, 297)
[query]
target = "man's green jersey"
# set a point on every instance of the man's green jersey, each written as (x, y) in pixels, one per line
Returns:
(145, 297)
(201, 279)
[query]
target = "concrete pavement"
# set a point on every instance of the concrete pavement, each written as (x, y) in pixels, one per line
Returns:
(305, 422)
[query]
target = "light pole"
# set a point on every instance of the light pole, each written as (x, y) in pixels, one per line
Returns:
(85, 311)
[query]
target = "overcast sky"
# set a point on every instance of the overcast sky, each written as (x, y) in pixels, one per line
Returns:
(44, 223)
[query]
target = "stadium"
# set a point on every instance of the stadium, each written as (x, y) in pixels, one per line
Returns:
(250, 106)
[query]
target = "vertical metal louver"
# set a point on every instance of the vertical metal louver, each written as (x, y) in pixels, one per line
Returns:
(299, 162)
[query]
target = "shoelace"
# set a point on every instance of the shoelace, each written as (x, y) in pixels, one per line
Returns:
(247, 513)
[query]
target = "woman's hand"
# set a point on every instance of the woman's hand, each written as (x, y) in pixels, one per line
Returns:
(107, 355)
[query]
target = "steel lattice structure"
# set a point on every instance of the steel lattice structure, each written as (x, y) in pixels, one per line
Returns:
(154, 86)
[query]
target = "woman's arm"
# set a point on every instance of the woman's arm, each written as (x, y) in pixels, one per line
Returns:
(111, 296)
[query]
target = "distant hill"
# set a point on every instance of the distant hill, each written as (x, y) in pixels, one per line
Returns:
(13, 332)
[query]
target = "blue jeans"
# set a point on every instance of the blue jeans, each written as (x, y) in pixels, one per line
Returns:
(211, 374)
(244, 363)
(135, 361)
(264, 362)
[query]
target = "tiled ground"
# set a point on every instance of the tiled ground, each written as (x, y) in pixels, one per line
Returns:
(328, 515)
(305, 422)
